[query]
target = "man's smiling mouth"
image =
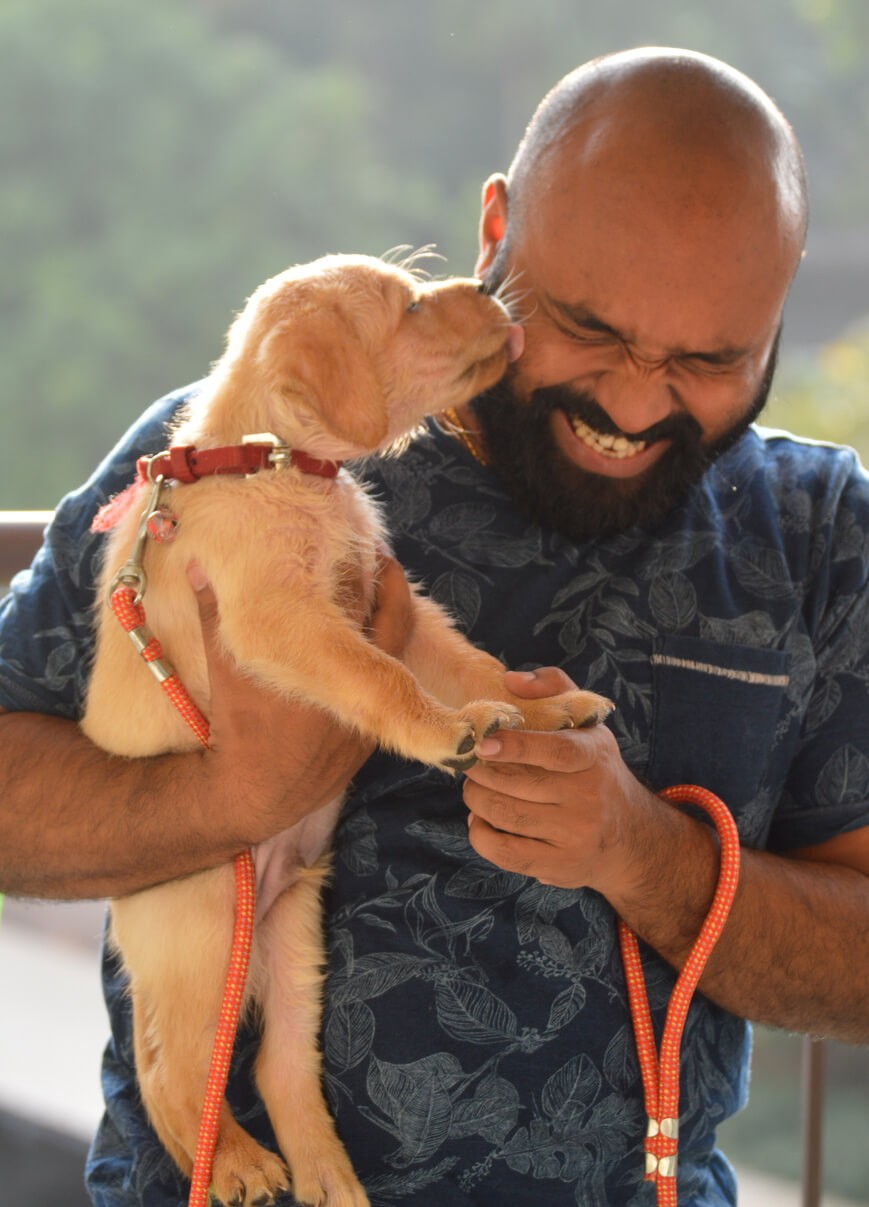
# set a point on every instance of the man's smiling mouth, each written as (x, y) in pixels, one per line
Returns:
(618, 447)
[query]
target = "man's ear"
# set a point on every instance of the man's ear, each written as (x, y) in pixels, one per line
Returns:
(318, 362)
(493, 221)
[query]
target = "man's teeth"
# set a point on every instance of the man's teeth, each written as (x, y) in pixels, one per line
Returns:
(607, 446)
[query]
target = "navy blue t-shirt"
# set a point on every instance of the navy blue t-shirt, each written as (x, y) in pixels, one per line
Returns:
(477, 1040)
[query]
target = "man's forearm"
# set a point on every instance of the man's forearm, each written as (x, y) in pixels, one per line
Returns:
(76, 822)
(795, 950)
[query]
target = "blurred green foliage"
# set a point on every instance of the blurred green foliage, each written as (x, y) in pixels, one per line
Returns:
(823, 395)
(159, 160)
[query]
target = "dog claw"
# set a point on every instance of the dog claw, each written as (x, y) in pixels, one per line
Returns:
(600, 714)
(462, 764)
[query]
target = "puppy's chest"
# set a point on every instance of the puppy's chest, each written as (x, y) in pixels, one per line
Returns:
(331, 548)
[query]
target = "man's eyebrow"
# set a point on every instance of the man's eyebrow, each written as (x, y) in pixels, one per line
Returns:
(581, 315)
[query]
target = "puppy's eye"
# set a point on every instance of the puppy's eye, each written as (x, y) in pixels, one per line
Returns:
(413, 305)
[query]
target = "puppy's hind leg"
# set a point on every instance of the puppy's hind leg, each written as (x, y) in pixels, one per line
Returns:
(289, 1066)
(175, 941)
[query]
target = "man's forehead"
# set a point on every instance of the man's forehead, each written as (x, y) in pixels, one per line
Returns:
(666, 294)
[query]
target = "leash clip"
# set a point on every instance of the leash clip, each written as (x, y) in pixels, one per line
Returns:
(132, 573)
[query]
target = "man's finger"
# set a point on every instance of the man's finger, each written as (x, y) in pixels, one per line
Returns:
(206, 600)
(509, 814)
(544, 681)
(567, 750)
(514, 853)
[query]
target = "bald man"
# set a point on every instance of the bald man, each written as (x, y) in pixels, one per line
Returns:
(609, 513)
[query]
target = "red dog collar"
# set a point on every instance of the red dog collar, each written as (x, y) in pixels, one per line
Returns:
(186, 463)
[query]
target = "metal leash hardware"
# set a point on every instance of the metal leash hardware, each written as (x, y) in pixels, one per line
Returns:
(132, 573)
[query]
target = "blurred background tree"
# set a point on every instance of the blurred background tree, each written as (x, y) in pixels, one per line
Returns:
(160, 159)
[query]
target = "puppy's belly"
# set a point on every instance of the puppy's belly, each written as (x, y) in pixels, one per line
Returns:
(279, 860)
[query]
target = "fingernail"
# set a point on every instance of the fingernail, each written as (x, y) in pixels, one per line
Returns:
(488, 747)
(197, 577)
(529, 675)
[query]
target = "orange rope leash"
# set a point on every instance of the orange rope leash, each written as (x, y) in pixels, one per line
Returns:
(132, 618)
(227, 1025)
(661, 1074)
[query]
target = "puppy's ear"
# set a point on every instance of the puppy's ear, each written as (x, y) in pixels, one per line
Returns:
(318, 362)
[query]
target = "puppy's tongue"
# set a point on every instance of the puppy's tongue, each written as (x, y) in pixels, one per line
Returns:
(515, 342)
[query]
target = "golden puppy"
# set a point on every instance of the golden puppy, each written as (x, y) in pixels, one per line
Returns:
(338, 358)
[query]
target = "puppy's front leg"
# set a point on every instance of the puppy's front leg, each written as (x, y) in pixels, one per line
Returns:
(321, 657)
(454, 670)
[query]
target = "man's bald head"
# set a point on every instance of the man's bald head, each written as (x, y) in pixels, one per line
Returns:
(691, 129)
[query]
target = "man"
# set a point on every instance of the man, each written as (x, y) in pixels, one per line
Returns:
(609, 510)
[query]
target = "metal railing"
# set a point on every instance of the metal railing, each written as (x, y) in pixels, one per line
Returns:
(20, 537)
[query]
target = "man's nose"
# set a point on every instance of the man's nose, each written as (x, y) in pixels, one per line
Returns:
(636, 394)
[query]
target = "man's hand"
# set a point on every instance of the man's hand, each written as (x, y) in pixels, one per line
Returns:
(555, 806)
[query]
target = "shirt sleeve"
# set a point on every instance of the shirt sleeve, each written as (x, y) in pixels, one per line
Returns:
(827, 789)
(46, 619)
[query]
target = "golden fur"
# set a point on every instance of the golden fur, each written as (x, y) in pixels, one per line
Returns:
(338, 358)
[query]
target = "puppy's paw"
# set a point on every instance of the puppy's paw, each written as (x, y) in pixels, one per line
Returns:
(327, 1181)
(477, 720)
(246, 1175)
(570, 710)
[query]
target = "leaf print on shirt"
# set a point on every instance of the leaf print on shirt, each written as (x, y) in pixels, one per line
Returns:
(571, 1126)
(675, 553)
(491, 1113)
(427, 1102)
(762, 570)
(844, 777)
(459, 593)
(414, 1102)
(468, 529)
(673, 601)
(409, 493)
(358, 848)
(348, 1035)
(751, 628)
(852, 540)
(370, 976)
(472, 1014)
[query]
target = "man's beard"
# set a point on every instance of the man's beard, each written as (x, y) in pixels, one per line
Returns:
(556, 494)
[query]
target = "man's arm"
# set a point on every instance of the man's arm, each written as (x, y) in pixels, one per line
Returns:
(76, 822)
(564, 808)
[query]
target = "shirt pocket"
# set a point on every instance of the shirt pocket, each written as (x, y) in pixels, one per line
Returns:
(715, 712)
